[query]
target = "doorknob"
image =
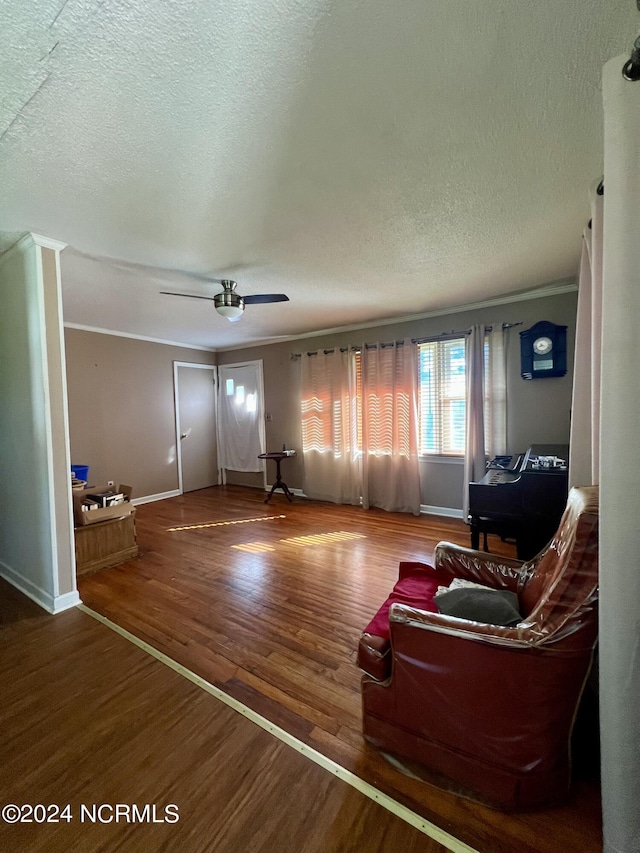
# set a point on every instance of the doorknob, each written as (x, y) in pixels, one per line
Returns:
(184, 435)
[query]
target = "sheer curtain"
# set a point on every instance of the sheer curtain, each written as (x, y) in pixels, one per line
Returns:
(329, 403)
(390, 427)
(486, 404)
(584, 446)
(240, 426)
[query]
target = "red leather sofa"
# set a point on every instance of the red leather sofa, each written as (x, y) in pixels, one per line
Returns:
(485, 710)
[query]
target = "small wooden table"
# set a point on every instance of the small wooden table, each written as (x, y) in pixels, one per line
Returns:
(279, 483)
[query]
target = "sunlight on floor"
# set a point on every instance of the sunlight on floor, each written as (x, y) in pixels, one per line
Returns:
(254, 547)
(323, 538)
(224, 523)
(303, 541)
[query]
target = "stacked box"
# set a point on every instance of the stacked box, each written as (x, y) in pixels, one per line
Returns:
(88, 510)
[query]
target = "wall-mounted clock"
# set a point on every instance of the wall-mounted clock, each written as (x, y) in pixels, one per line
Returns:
(543, 351)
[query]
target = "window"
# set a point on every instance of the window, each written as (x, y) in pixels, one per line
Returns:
(442, 404)
(442, 397)
(332, 415)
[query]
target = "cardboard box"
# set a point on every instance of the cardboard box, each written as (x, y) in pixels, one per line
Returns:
(93, 516)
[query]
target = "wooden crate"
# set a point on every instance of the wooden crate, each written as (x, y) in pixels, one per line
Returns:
(106, 543)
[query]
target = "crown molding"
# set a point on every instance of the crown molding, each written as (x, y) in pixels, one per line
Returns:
(47, 242)
(99, 331)
(27, 240)
(569, 285)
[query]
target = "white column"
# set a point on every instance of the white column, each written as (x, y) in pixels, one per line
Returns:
(620, 466)
(36, 528)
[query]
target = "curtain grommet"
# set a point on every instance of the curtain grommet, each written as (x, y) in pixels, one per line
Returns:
(631, 71)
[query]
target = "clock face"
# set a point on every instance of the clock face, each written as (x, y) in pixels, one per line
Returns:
(542, 346)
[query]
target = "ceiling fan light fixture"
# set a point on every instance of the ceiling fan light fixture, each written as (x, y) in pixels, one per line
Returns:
(228, 303)
(231, 312)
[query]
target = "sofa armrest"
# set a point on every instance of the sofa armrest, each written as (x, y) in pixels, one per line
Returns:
(478, 566)
(374, 656)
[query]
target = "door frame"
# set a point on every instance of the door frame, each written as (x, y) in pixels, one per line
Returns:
(176, 404)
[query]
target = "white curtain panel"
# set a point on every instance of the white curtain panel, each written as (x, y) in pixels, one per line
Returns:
(329, 413)
(495, 430)
(584, 445)
(620, 466)
(390, 477)
(474, 455)
(240, 417)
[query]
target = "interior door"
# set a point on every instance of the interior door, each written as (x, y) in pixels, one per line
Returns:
(196, 426)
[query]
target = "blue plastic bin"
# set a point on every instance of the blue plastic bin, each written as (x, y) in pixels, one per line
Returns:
(80, 472)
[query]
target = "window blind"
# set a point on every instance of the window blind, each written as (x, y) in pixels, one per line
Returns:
(442, 397)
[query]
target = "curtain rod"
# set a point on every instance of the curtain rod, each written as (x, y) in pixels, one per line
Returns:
(460, 334)
(441, 336)
(382, 345)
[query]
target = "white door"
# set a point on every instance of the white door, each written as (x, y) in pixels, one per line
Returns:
(195, 390)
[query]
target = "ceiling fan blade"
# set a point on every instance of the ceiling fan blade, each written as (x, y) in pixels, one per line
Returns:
(188, 295)
(261, 298)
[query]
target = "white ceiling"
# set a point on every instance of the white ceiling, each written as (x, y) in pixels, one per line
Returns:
(369, 159)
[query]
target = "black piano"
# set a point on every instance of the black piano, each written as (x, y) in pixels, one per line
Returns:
(521, 498)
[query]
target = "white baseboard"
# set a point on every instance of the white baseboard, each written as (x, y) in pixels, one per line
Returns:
(67, 601)
(425, 509)
(298, 492)
(48, 602)
(147, 499)
(447, 511)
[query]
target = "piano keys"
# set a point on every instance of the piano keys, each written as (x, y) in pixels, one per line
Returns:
(521, 497)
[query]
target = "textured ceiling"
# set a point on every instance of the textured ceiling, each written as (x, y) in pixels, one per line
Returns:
(371, 160)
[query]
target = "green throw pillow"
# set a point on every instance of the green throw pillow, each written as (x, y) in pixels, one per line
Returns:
(494, 606)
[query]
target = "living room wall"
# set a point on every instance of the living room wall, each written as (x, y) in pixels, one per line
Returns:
(121, 409)
(538, 410)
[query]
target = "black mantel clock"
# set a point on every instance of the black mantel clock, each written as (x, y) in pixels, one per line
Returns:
(543, 351)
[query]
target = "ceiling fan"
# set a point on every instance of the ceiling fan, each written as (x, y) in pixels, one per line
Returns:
(230, 304)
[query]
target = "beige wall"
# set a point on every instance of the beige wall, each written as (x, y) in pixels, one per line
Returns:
(538, 410)
(121, 409)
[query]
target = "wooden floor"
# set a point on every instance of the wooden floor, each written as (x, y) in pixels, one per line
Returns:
(267, 602)
(89, 720)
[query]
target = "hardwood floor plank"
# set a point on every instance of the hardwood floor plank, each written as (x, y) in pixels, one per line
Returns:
(88, 719)
(291, 703)
(279, 628)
